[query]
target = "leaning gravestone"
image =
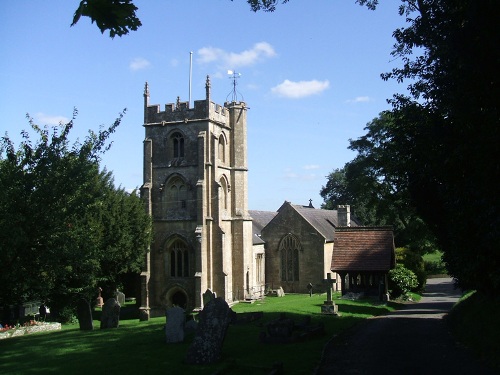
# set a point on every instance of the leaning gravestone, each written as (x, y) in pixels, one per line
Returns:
(84, 314)
(174, 328)
(110, 317)
(213, 322)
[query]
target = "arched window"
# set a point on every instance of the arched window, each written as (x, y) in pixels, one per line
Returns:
(289, 255)
(178, 145)
(177, 259)
(224, 194)
(222, 148)
(176, 194)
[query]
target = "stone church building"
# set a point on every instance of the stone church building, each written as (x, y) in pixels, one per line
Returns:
(195, 187)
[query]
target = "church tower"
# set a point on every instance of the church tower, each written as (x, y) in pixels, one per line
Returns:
(196, 190)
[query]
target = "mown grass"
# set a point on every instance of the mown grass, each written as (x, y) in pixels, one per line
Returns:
(434, 265)
(474, 322)
(140, 346)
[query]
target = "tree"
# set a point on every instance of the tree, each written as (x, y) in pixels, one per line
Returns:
(375, 183)
(449, 127)
(64, 228)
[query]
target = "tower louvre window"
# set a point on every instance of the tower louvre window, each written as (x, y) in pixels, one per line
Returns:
(178, 145)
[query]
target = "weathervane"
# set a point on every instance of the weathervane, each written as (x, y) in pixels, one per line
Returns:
(234, 76)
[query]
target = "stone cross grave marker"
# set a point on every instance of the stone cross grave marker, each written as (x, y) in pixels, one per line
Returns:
(174, 328)
(213, 322)
(99, 300)
(84, 314)
(329, 307)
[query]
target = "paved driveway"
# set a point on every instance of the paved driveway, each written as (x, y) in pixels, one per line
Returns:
(414, 340)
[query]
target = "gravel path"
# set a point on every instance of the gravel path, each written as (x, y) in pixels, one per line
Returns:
(414, 340)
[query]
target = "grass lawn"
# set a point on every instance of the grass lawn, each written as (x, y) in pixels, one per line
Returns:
(434, 265)
(140, 346)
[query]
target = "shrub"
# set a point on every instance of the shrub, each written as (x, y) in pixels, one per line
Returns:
(401, 281)
(415, 263)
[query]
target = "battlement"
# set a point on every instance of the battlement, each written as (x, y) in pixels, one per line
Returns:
(181, 112)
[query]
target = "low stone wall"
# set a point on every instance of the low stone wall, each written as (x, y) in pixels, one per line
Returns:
(21, 331)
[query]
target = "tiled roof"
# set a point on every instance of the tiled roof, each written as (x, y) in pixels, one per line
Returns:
(260, 220)
(363, 249)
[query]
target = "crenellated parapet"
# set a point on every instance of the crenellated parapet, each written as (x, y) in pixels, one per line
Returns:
(180, 111)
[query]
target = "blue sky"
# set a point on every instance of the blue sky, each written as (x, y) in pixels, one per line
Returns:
(310, 73)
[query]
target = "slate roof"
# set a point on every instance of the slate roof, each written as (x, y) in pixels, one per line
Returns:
(363, 249)
(324, 221)
(259, 220)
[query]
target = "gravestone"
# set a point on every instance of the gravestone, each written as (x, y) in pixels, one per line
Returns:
(329, 307)
(110, 317)
(213, 322)
(120, 297)
(208, 296)
(84, 314)
(174, 328)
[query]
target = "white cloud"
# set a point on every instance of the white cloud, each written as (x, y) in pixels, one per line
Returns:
(310, 166)
(139, 63)
(232, 60)
(301, 89)
(44, 119)
(360, 99)
(289, 174)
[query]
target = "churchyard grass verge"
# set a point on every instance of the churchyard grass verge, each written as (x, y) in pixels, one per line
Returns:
(140, 346)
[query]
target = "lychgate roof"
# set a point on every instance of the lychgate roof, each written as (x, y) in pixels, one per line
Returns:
(363, 249)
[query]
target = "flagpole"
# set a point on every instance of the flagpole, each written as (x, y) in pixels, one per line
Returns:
(190, 75)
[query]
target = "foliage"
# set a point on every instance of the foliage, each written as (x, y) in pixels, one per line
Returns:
(415, 263)
(64, 227)
(448, 132)
(433, 264)
(117, 16)
(376, 186)
(401, 281)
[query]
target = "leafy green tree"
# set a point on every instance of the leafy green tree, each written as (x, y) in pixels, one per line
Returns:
(449, 130)
(64, 228)
(376, 185)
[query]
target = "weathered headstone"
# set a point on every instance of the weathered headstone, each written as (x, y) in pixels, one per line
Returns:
(213, 322)
(208, 296)
(110, 317)
(174, 328)
(329, 307)
(84, 314)
(120, 297)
